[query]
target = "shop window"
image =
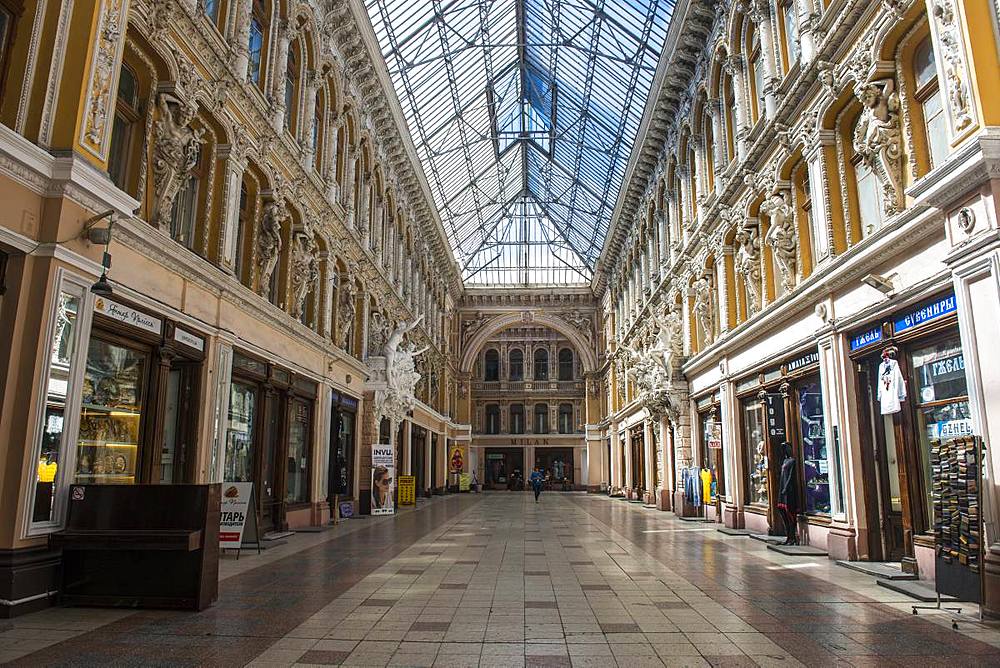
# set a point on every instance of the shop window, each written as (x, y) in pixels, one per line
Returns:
(869, 197)
(541, 364)
(516, 364)
(492, 419)
(112, 413)
(517, 418)
(755, 441)
(126, 116)
(928, 96)
(541, 419)
(299, 432)
(566, 418)
(491, 366)
(565, 364)
(184, 217)
(258, 30)
(941, 398)
(815, 460)
(240, 433)
(60, 371)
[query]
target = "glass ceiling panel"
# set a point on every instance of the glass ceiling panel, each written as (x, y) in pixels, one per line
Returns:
(524, 114)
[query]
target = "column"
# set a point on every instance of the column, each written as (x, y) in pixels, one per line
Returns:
(240, 40)
(284, 35)
(629, 480)
(667, 454)
(428, 464)
(617, 477)
(806, 21)
(761, 15)
(406, 449)
(722, 288)
(650, 458)
(235, 165)
(735, 66)
(305, 137)
(329, 270)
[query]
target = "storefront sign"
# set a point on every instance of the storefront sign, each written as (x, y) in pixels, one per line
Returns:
(775, 404)
(457, 460)
(927, 313)
(464, 482)
(234, 508)
(804, 361)
(189, 340)
(383, 474)
(407, 490)
(866, 338)
(127, 315)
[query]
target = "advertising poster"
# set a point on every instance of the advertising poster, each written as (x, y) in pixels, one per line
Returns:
(383, 480)
(233, 509)
(715, 436)
(407, 490)
(457, 461)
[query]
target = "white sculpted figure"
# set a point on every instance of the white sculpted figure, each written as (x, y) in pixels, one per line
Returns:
(269, 243)
(748, 264)
(667, 347)
(305, 272)
(703, 307)
(877, 137)
(175, 153)
(781, 236)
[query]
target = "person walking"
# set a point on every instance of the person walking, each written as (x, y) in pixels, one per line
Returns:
(537, 478)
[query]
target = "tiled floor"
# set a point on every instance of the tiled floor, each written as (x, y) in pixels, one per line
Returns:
(497, 580)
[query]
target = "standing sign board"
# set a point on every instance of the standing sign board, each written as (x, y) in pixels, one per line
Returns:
(464, 482)
(383, 480)
(234, 508)
(775, 405)
(407, 490)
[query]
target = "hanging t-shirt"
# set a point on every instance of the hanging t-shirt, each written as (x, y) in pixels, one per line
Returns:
(891, 387)
(706, 485)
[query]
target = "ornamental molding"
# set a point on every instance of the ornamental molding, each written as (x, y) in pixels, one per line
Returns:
(102, 84)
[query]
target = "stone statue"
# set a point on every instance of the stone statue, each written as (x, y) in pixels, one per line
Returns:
(877, 138)
(346, 314)
(668, 343)
(781, 236)
(703, 307)
(748, 264)
(305, 271)
(175, 154)
(269, 244)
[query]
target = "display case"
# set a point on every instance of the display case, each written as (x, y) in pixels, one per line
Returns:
(111, 414)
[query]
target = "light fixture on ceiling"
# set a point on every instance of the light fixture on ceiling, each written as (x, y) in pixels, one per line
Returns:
(101, 236)
(881, 283)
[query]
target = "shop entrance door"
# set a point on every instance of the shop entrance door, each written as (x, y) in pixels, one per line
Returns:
(418, 457)
(885, 505)
(557, 465)
(179, 423)
(270, 495)
(505, 468)
(638, 464)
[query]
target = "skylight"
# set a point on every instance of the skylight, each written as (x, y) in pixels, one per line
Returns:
(524, 114)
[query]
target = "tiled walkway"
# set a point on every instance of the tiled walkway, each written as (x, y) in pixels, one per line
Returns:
(497, 580)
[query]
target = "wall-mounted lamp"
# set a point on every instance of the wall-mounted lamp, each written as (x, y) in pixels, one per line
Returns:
(880, 283)
(101, 236)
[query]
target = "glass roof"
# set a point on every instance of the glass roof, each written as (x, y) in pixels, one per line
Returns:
(524, 114)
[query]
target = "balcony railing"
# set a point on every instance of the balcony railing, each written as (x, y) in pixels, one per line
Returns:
(530, 386)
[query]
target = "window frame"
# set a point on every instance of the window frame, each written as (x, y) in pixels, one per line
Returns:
(130, 114)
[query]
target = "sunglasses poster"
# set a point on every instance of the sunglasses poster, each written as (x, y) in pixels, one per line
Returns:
(383, 479)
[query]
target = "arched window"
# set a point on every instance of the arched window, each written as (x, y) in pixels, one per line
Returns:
(541, 364)
(693, 172)
(928, 96)
(491, 367)
(709, 135)
(211, 9)
(541, 419)
(492, 418)
(728, 116)
(242, 224)
(122, 134)
(516, 364)
(291, 89)
(259, 27)
(756, 60)
(789, 33)
(318, 132)
(565, 418)
(565, 364)
(517, 418)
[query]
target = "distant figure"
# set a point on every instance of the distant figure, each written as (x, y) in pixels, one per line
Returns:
(537, 478)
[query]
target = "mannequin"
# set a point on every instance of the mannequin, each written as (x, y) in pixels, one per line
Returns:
(788, 494)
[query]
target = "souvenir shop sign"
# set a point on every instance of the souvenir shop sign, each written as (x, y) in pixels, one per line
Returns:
(383, 474)
(805, 360)
(233, 511)
(866, 338)
(407, 490)
(127, 315)
(938, 308)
